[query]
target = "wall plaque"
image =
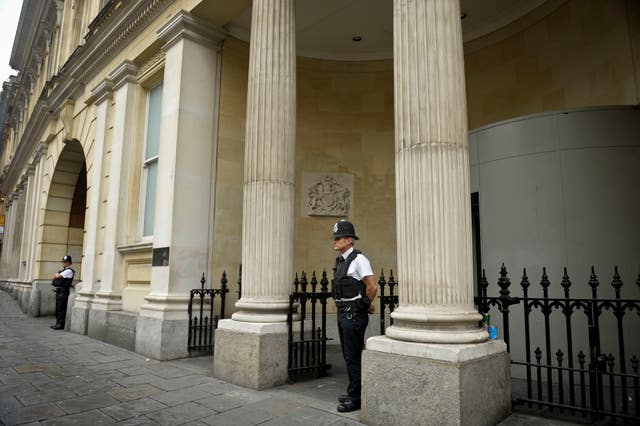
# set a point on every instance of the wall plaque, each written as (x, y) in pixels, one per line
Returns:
(327, 194)
(160, 256)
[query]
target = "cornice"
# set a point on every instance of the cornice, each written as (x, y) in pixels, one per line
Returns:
(185, 25)
(108, 35)
(126, 72)
(111, 32)
(101, 92)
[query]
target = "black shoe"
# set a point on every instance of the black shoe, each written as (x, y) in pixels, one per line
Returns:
(58, 327)
(343, 398)
(348, 406)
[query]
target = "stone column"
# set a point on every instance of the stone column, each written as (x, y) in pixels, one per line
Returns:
(27, 233)
(186, 173)
(42, 298)
(268, 222)
(101, 96)
(109, 297)
(435, 344)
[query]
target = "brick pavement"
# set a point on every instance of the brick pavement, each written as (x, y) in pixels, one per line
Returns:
(55, 378)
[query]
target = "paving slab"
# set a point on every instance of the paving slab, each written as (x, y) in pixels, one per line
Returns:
(93, 418)
(52, 377)
(135, 408)
(134, 392)
(29, 414)
(86, 403)
(180, 414)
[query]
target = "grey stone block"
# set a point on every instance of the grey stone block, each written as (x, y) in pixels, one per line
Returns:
(34, 302)
(67, 319)
(97, 326)
(121, 329)
(47, 297)
(427, 391)
(161, 339)
(256, 361)
(79, 320)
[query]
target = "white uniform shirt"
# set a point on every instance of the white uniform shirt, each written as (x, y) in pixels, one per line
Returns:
(358, 269)
(67, 273)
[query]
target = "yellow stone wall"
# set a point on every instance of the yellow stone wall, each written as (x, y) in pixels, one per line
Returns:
(137, 280)
(344, 125)
(578, 56)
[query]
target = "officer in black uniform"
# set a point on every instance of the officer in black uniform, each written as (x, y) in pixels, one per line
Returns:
(354, 288)
(62, 282)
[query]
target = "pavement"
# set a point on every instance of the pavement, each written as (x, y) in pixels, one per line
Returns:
(50, 377)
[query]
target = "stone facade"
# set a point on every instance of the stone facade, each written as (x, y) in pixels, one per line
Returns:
(259, 152)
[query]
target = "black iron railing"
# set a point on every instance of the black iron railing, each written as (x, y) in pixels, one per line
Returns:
(202, 317)
(388, 302)
(598, 385)
(308, 345)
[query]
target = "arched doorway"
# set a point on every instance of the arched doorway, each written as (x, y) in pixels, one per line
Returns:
(62, 228)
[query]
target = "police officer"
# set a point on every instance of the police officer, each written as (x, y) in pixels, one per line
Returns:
(61, 283)
(354, 288)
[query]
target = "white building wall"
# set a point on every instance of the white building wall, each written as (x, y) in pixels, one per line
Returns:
(561, 189)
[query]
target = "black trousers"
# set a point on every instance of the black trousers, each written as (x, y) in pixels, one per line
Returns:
(62, 298)
(352, 324)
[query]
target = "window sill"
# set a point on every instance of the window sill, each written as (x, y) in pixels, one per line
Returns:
(136, 247)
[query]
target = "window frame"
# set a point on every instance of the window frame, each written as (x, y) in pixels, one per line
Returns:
(145, 163)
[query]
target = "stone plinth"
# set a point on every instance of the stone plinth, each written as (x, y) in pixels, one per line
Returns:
(252, 355)
(408, 383)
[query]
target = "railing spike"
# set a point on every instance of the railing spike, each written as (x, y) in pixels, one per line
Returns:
(616, 282)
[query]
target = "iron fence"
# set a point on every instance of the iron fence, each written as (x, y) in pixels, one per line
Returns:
(202, 317)
(308, 345)
(388, 302)
(591, 382)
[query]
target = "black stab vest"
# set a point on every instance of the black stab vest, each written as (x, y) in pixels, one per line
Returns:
(64, 283)
(346, 287)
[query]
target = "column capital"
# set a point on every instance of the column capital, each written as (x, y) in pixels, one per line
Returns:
(126, 72)
(101, 92)
(39, 152)
(185, 25)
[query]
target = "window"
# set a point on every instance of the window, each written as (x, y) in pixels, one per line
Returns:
(150, 164)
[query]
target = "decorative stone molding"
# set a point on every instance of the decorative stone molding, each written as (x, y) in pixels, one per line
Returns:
(126, 72)
(66, 116)
(145, 246)
(327, 194)
(185, 25)
(100, 93)
(109, 32)
(151, 66)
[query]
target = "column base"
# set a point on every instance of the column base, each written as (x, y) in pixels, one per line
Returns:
(97, 324)
(42, 300)
(435, 383)
(80, 313)
(251, 355)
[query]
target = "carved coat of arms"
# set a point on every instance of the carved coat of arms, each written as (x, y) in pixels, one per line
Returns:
(328, 197)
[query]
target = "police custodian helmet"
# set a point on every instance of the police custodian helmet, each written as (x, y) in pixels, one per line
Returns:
(66, 258)
(344, 228)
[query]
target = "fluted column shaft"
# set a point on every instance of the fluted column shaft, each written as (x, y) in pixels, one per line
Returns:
(269, 167)
(432, 176)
